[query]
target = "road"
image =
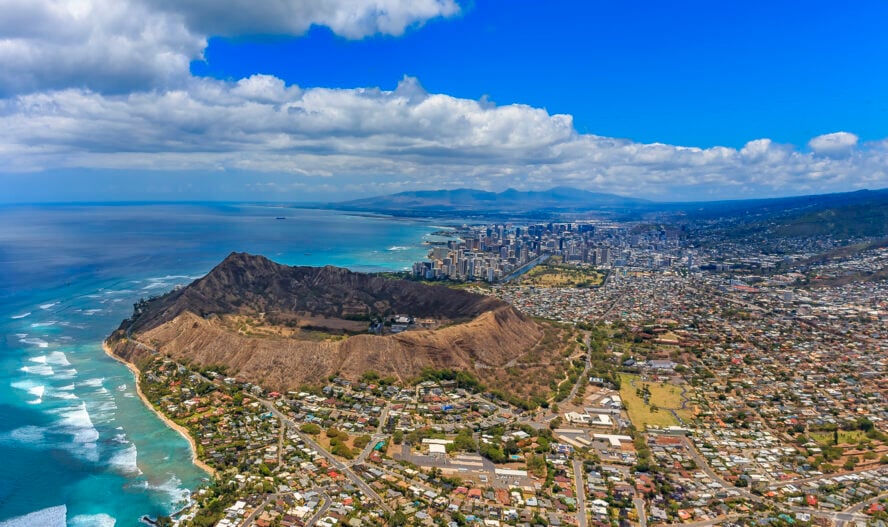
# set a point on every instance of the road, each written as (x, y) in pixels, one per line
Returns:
(582, 378)
(701, 462)
(707, 523)
(249, 519)
(335, 463)
(325, 506)
(642, 514)
(800, 481)
(581, 493)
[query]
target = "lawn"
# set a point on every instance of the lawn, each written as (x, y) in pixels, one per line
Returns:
(845, 436)
(664, 396)
(561, 275)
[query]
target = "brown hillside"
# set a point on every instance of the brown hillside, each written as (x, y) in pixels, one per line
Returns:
(486, 336)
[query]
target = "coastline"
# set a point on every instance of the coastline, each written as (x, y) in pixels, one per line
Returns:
(166, 420)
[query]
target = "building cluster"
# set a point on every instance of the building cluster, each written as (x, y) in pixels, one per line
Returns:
(500, 252)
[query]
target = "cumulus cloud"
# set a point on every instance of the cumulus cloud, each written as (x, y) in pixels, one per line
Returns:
(261, 125)
(118, 46)
(837, 144)
(105, 84)
(349, 18)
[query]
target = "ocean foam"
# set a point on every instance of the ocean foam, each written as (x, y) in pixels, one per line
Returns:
(46, 324)
(49, 517)
(65, 374)
(23, 315)
(91, 520)
(29, 435)
(398, 248)
(93, 383)
(40, 369)
(39, 360)
(125, 461)
(37, 392)
(48, 306)
(40, 343)
(78, 423)
(171, 487)
(58, 358)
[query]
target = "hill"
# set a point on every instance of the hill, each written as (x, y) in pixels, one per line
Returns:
(480, 202)
(285, 327)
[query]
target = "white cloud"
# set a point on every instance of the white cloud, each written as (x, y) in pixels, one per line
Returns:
(119, 46)
(349, 18)
(836, 144)
(105, 84)
(371, 136)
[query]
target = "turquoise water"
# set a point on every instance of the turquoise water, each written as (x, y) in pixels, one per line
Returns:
(72, 431)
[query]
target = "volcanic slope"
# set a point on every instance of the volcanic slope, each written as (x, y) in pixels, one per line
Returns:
(286, 327)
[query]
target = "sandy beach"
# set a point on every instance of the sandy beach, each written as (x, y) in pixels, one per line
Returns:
(169, 422)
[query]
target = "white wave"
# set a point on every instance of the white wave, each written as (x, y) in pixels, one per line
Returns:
(126, 460)
(37, 391)
(40, 369)
(78, 423)
(67, 396)
(23, 315)
(58, 358)
(48, 306)
(121, 388)
(398, 248)
(21, 335)
(172, 487)
(103, 412)
(49, 517)
(67, 387)
(39, 360)
(65, 374)
(92, 520)
(40, 343)
(91, 312)
(129, 395)
(93, 383)
(119, 292)
(155, 285)
(46, 324)
(29, 435)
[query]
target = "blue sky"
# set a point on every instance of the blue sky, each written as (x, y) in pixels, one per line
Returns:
(698, 74)
(317, 100)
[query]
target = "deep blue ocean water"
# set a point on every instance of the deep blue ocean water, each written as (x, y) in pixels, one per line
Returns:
(72, 431)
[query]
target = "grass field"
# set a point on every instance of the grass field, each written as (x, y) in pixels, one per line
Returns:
(664, 396)
(554, 274)
(845, 436)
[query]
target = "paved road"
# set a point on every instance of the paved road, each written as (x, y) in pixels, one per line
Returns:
(581, 493)
(701, 462)
(707, 523)
(249, 519)
(335, 463)
(880, 470)
(325, 506)
(374, 439)
(642, 514)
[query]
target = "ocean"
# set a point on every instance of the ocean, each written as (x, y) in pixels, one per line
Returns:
(73, 435)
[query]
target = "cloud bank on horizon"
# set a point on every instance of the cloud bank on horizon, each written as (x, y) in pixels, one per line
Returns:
(106, 85)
